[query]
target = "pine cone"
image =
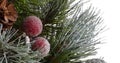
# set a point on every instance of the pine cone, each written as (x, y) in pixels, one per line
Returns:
(8, 14)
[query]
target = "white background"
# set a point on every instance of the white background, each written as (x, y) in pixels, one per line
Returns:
(110, 10)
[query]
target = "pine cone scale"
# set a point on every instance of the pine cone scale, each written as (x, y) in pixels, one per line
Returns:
(8, 14)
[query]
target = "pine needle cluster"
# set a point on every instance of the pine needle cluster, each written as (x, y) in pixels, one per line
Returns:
(70, 30)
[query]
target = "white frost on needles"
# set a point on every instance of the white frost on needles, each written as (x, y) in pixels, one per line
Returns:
(27, 39)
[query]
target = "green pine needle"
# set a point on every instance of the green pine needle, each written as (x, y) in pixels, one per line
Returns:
(13, 48)
(71, 30)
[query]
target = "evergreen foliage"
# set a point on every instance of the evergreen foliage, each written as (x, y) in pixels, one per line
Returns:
(70, 30)
(96, 60)
(13, 48)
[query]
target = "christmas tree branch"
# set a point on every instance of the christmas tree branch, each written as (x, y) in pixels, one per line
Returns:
(77, 39)
(70, 29)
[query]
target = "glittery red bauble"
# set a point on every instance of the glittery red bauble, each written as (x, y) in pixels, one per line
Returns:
(42, 45)
(32, 26)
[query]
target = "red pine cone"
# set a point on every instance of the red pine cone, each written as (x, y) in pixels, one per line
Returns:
(32, 26)
(42, 45)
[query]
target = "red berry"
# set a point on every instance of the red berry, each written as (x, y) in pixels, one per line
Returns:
(32, 26)
(42, 45)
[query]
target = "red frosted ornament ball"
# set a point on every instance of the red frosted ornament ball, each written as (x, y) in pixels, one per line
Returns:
(32, 26)
(42, 45)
